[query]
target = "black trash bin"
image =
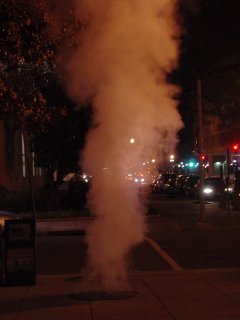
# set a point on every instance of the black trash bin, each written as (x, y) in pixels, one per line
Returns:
(18, 256)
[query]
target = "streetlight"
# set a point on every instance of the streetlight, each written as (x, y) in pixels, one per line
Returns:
(171, 159)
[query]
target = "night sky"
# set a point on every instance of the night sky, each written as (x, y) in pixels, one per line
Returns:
(211, 33)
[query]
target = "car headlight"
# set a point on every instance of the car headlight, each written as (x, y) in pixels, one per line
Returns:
(208, 190)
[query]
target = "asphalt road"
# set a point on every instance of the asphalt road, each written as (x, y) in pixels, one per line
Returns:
(166, 247)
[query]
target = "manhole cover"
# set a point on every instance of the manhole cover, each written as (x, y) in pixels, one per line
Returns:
(103, 295)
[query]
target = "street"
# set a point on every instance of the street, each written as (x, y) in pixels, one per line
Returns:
(173, 242)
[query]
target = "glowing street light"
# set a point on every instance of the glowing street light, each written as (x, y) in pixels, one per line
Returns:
(132, 140)
(171, 158)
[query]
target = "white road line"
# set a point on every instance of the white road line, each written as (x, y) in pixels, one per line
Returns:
(164, 254)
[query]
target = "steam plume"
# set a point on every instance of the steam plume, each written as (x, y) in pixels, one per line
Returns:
(126, 50)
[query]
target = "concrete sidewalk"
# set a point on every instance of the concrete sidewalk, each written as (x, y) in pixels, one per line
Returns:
(181, 295)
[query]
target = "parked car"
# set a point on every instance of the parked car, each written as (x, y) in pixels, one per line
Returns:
(212, 188)
(74, 189)
(179, 184)
(158, 184)
(170, 185)
(189, 185)
(229, 190)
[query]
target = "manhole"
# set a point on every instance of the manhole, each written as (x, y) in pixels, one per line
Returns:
(104, 295)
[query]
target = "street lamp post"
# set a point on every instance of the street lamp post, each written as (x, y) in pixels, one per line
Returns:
(200, 150)
(228, 179)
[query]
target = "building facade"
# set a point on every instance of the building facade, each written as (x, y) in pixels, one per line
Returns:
(219, 140)
(17, 167)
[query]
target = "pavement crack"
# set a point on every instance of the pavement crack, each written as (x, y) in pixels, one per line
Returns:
(218, 290)
(159, 299)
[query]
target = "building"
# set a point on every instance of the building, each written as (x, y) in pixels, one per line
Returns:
(15, 169)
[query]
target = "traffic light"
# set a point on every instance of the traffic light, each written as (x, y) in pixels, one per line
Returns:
(235, 147)
(204, 157)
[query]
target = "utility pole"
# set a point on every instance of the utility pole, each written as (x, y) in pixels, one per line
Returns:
(200, 150)
(228, 179)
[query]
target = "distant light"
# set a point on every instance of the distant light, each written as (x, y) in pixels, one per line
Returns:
(191, 164)
(217, 163)
(132, 140)
(153, 160)
(144, 163)
(172, 156)
(235, 147)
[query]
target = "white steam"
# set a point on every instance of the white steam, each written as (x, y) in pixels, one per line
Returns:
(126, 50)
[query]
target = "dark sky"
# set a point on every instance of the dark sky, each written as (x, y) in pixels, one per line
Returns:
(212, 32)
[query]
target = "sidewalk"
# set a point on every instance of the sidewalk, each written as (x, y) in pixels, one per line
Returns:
(181, 295)
(165, 295)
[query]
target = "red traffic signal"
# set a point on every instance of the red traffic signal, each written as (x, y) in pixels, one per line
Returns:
(235, 147)
(203, 157)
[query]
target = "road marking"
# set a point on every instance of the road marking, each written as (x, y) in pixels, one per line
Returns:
(164, 254)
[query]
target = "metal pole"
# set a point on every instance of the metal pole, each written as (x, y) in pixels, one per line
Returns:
(29, 172)
(200, 150)
(228, 179)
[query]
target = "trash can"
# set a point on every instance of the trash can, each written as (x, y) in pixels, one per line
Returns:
(19, 252)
